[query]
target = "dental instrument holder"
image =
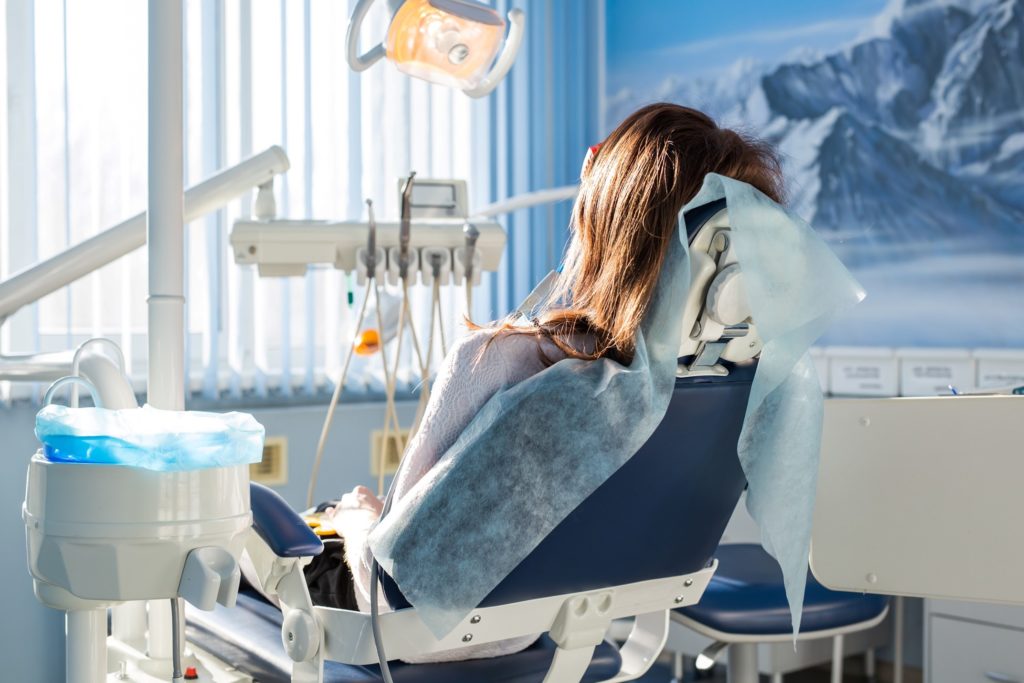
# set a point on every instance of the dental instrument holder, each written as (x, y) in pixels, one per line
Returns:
(101, 535)
(437, 223)
(439, 261)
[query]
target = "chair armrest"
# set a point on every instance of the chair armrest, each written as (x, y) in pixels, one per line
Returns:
(283, 530)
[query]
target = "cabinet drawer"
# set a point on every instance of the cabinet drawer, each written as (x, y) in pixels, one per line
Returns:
(966, 652)
(1001, 615)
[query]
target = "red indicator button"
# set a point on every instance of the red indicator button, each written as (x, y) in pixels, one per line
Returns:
(191, 674)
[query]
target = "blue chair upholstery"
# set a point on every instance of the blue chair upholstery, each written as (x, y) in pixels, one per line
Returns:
(248, 637)
(669, 503)
(278, 525)
(746, 597)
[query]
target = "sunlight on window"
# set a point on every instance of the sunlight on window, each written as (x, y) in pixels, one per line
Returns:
(256, 74)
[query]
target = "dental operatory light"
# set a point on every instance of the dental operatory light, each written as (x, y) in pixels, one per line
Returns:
(449, 42)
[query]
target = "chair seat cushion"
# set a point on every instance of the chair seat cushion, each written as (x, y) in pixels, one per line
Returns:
(746, 596)
(248, 637)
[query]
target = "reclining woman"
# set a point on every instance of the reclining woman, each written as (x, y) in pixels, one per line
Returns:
(631, 192)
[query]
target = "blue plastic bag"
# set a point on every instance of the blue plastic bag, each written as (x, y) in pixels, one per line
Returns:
(147, 437)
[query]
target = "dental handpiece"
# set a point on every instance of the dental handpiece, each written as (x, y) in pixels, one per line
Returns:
(371, 242)
(472, 234)
(405, 227)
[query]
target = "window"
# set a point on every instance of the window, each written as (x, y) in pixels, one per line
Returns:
(259, 73)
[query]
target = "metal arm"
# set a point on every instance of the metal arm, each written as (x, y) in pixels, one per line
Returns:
(48, 276)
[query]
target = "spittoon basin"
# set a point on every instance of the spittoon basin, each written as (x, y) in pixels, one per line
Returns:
(114, 533)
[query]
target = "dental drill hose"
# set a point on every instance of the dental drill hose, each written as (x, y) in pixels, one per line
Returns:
(405, 318)
(436, 324)
(176, 622)
(371, 276)
(472, 233)
(378, 639)
(338, 387)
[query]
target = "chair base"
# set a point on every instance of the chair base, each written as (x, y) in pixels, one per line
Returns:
(742, 663)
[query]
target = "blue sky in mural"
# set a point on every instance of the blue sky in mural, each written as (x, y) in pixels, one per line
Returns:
(900, 125)
(650, 38)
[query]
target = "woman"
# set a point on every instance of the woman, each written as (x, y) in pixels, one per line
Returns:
(631, 192)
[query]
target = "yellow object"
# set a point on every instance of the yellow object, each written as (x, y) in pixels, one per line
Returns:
(450, 42)
(324, 531)
(313, 522)
(368, 342)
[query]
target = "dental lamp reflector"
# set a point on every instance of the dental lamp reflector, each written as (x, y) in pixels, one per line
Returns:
(448, 42)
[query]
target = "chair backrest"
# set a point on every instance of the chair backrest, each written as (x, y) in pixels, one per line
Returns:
(662, 513)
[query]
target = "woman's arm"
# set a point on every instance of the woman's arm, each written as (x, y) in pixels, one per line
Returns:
(472, 372)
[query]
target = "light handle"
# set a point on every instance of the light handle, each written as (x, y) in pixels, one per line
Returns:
(360, 62)
(517, 27)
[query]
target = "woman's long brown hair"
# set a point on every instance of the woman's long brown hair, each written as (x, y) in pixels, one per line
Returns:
(625, 216)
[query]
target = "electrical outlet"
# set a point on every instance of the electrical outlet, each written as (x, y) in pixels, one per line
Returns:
(273, 469)
(392, 456)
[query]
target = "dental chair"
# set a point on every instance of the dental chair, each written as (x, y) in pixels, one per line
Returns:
(605, 561)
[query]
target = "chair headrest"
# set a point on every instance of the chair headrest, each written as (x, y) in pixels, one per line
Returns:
(717, 321)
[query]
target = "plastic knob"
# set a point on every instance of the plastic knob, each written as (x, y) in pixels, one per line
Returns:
(727, 298)
(300, 635)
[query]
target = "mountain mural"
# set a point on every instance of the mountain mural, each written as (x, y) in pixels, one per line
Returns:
(906, 149)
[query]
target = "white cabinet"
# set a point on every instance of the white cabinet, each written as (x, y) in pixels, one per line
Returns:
(973, 643)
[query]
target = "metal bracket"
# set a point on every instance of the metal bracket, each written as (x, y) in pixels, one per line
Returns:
(579, 628)
(709, 352)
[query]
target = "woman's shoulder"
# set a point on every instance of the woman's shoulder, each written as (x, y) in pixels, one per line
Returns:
(493, 340)
(515, 353)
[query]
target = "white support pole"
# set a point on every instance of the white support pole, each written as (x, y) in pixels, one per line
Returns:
(128, 622)
(678, 667)
(165, 235)
(838, 650)
(86, 645)
(897, 639)
(166, 215)
(870, 663)
(742, 664)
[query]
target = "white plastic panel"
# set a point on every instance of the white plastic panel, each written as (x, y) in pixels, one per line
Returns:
(287, 247)
(922, 497)
(965, 652)
(931, 372)
(999, 368)
(862, 371)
